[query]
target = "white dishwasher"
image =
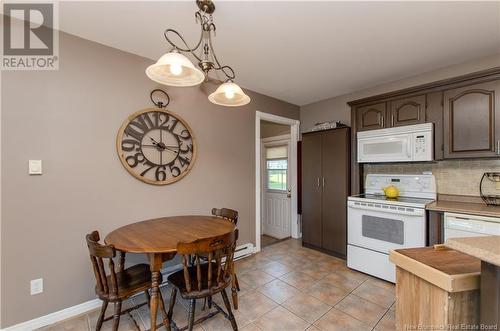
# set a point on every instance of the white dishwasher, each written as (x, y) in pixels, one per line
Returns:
(462, 225)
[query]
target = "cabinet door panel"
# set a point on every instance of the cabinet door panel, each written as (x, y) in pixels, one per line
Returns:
(435, 115)
(371, 117)
(408, 111)
(335, 171)
(311, 190)
(471, 119)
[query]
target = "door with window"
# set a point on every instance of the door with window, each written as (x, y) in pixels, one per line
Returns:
(276, 216)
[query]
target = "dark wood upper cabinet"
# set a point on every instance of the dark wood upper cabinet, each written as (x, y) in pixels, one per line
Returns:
(407, 111)
(434, 114)
(371, 117)
(472, 121)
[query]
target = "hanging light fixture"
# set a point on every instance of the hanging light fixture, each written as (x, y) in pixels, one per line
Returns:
(175, 69)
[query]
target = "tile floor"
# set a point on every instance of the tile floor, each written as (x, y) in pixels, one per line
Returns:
(266, 240)
(285, 287)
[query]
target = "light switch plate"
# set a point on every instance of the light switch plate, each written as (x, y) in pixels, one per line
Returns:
(36, 286)
(35, 167)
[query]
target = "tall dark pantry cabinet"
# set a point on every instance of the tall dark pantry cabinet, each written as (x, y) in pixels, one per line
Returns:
(325, 188)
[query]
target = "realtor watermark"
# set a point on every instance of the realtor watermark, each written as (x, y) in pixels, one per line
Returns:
(30, 36)
(463, 326)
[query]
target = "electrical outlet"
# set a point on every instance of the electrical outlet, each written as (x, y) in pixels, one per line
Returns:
(36, 286)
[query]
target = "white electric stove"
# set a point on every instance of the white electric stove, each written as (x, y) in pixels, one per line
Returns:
(376, 224)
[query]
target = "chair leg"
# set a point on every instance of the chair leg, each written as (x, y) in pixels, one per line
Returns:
(209, 300)
(172, 304)
(101, 315)
(166, 320)
(229, 311)
(234, 288)
(116, 316)
(192, 307)
(148, 297)
(235, 280)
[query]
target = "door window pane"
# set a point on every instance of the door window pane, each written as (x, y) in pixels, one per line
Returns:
(277, 168)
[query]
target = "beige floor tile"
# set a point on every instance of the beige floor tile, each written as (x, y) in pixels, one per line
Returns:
(306, 307)
(126, 323)
(255, 278)
(250, 327)
(79, 323)
(278, 290)
(382, 283)
(327, 293)
(220, 323)
(375, 294)
(276, 269)
(361, 309)
(144, 314)
(388, 322)
(255, 304)
(316, 271)
(353, 274)
(298, 279)
(335, 320)
(280, 319)
(343, 281)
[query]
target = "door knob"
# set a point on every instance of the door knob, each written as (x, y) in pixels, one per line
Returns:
(289, 193)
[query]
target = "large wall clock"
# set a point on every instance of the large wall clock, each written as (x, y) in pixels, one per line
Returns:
(156, 146)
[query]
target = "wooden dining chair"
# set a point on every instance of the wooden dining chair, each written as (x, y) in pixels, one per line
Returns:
(118, 285)
(231, 215)
(201, 280)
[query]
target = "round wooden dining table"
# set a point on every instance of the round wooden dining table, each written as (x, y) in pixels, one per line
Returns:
(158, 239)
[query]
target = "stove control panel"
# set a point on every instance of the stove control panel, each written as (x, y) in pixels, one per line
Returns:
(418, 186)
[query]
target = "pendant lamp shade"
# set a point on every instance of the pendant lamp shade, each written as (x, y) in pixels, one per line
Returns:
(229, 94)
(174, 69)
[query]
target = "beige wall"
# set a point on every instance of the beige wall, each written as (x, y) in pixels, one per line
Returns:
(336, 108)
(69, 119)
(460, 177)
(270, 129)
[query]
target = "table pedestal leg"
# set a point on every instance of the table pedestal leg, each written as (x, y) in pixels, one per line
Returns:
(155, 262)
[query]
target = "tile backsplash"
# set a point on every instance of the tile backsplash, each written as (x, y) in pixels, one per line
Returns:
(459, 177)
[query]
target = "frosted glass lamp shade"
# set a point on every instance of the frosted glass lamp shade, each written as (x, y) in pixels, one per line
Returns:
(229, 94)
(174, 69)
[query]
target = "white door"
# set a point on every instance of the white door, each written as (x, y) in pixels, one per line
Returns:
(276, 216)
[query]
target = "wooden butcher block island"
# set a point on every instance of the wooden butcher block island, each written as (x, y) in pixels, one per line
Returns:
(437, 288)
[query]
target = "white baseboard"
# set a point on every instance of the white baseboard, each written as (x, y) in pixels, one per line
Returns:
(56, 316)
(82, 308)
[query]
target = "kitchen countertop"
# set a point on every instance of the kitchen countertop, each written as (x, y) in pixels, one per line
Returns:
(464, 208)
(443, 267)
(485, 248)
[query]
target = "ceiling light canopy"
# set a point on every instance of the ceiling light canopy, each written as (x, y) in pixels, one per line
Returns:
(175, 69)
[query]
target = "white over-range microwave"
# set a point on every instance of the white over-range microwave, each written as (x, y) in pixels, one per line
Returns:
(400, 144)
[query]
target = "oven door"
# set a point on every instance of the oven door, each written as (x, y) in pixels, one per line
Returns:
(387, 148)
(382, 228)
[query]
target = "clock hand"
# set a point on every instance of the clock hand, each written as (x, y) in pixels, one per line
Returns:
(154, 141)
